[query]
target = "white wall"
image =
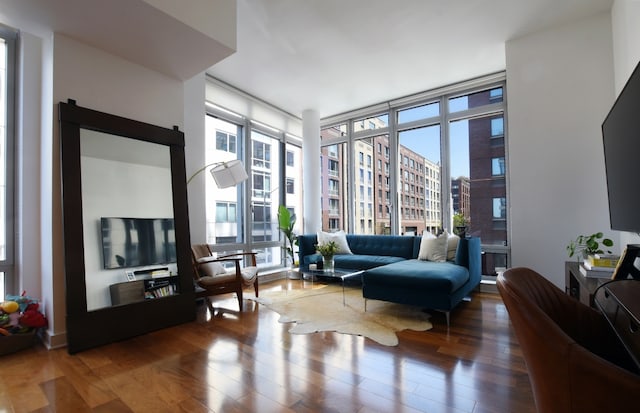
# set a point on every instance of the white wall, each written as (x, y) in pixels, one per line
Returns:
(559, 89)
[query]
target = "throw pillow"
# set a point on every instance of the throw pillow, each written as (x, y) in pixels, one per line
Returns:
(213, 268)
(452, 246)
(339, 237)
(433, 248)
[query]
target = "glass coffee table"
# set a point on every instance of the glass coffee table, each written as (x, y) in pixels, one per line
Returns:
(337, 274)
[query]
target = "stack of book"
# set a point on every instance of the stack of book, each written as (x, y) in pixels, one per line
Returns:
(161, 272)
(599, 266)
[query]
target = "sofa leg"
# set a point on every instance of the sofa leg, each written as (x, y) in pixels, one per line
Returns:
(447, 315)
(365, 305)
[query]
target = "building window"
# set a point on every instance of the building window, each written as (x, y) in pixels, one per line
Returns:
(499, 208)
(497, 166)
(226, 212)
(226, 142)
(290, 158)
(495, 95)
(261, 185)
(290, 186)
(497, 127)
(261, 155)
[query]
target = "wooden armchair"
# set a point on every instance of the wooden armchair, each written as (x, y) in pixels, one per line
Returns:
(211, 275)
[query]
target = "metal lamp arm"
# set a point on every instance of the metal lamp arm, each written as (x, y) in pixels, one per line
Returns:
(202, 169)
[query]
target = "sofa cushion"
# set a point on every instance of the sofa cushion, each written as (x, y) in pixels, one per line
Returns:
(446, 277)
(433, 248)
(363, 262)
(452, 246)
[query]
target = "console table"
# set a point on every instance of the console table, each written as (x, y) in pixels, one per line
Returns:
(140, 290)
(578, 286)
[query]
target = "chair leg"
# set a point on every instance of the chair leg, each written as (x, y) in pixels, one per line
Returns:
(240, 301)
(255, 286)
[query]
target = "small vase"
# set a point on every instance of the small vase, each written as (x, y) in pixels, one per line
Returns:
(327, 264)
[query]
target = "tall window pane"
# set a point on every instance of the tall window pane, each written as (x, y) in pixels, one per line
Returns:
(334, 169)
(420, 186)
(265, 196)
(364, 148)
(293, 197)
(7, 85)
(478, 174)
(222, 145)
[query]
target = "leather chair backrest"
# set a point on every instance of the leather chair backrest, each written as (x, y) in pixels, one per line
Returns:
(569, 349)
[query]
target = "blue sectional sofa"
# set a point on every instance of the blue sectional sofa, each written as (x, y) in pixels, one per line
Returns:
(394, 273)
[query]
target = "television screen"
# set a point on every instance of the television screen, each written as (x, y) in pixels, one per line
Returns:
(137, 242)
(621, 138)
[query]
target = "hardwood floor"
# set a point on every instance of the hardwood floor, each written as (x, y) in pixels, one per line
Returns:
(228, 361)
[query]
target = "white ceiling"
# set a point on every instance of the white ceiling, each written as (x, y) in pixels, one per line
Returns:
(338, 55)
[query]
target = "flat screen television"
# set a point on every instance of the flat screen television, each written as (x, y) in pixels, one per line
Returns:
(621, 138)
(137, 242)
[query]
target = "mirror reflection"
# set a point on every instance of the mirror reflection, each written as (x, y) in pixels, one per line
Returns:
(127, 207)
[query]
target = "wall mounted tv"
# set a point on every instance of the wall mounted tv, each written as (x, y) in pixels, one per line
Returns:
(137, 242)
(621, 138)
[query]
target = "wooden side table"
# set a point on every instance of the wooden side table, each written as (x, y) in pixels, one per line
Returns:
(578, 286)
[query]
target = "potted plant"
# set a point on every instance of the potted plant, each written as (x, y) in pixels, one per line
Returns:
(327, 250)
(460, 224)
(585, 245)
(286, 222)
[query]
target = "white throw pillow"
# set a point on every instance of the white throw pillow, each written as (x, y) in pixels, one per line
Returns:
(212, 268)
(339, 237)
(433, 248)
(452, 246)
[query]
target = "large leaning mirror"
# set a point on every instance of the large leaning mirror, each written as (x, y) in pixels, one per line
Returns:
(126, 236)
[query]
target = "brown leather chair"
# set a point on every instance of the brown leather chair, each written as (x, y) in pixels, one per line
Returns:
(575, 361)
(213, 278)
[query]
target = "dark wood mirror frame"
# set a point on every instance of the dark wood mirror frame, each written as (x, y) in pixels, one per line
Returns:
(87, 329)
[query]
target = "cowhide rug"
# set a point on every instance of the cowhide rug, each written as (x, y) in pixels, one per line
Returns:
(321, 309)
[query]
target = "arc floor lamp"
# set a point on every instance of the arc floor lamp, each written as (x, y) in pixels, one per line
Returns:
(225, 173)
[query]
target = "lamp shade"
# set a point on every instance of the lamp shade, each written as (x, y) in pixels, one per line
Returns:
(229, 173)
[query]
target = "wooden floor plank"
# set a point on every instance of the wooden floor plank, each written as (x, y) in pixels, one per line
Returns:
(233, 361)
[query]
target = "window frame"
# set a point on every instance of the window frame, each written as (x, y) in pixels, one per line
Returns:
(8, 281)
(496, 107)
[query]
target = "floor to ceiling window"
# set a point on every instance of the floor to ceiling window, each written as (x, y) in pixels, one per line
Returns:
(224, 207)
(7, 76)
(430, 163)
(245, 217)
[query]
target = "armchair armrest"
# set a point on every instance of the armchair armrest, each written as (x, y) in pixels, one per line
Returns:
(241, 255)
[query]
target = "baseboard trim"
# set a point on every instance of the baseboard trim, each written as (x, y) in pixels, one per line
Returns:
(53, 341)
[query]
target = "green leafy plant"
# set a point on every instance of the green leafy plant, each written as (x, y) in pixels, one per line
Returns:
(328, 249)
(286, 222)
(589, 245)
(460, 223)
